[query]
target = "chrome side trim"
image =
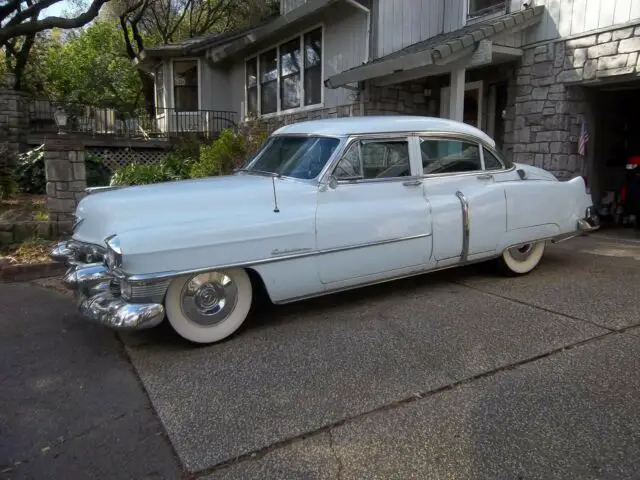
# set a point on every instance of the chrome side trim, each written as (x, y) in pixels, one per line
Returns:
(466, 226)
(387, 280)
(156, 277)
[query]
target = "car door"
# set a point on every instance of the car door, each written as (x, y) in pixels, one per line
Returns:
(468, 205)
(374, 218)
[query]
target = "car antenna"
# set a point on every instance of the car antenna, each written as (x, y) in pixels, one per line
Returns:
(275, 197)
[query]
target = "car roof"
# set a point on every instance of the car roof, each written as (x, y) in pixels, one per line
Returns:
(345, 126)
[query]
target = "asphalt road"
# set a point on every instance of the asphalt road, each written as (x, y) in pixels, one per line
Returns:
(460, 374)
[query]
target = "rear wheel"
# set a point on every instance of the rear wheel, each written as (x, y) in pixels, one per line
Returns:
(208, 307)
(522, 259)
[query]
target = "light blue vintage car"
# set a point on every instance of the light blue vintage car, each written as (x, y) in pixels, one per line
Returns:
(324, 206)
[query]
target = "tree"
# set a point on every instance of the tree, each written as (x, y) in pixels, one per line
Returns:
(91, 67)
(160, 22)
(20, 26)
(21, 18)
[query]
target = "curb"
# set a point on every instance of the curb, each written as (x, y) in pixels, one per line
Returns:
(26, 272)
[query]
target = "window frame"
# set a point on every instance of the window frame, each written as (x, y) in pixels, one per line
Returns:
(374, 137)
(457, 137)
(500, 8)
(256, 57)
(173, 87)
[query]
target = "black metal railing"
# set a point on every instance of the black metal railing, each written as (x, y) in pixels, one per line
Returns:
(160, 123)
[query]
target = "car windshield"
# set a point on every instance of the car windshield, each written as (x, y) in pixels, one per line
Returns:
(299, 157)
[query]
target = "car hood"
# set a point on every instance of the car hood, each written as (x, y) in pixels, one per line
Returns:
(185, 202)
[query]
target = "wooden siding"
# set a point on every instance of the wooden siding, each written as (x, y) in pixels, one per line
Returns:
(454, 14)
(405, 22)
(236, 92)
(344, 47)
(571, 17)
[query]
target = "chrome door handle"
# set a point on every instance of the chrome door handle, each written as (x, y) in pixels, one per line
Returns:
(485, 176)
(412, 183)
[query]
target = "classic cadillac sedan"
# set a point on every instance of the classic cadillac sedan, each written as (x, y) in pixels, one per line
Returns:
(323, 206)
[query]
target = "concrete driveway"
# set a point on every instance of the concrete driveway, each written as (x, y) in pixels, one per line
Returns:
(461, 374)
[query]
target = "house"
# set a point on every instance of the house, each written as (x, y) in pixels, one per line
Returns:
(533, 74)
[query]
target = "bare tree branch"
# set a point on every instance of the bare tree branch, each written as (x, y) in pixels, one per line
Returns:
(35, 26)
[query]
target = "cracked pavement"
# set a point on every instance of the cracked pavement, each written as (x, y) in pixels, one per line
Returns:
(459, 374)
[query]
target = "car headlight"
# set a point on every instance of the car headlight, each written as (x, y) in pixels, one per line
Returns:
(114, 252)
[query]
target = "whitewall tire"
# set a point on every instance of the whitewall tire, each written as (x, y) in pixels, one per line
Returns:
(522, 259)
(208, 307)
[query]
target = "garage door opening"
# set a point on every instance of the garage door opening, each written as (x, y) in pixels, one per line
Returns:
(616, 187)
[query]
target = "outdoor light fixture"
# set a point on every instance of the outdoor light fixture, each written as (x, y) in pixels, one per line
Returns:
(61, 120)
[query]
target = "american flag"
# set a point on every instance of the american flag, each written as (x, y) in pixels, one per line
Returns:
(584, 139)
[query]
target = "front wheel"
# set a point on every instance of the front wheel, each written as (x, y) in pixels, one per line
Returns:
(522, 259)
(208, 307)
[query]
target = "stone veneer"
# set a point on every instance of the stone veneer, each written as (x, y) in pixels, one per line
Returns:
(548, 104)
(64, 159)
(406, 99)
(13, 118)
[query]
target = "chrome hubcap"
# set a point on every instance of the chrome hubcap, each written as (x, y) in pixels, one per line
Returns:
(521, 252)
(209, 298)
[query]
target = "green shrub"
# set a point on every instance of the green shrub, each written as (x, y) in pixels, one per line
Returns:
(7, 174)
(31, 177)
(172, 167)
(98, 174)
(228, 152)
(7, 182)
(30, 174)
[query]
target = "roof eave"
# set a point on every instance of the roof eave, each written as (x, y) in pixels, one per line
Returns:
(299, 14)
(437, 54)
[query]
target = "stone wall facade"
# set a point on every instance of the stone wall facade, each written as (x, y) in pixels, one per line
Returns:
(402, 99)
(14, 121)
(66, 178)
(548, 103)
(408, 99)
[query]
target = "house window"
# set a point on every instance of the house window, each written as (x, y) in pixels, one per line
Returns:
(290, 75)
(313, 67)
(160, 105)
(480, 7)
(269, 81)
(286, 77)
(185, 85)
(252, 87)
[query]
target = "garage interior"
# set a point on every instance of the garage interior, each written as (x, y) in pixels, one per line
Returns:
(615, 135)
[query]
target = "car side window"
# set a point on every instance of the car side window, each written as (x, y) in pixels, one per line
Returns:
(371, 159)
(449, 156)
(491, 162)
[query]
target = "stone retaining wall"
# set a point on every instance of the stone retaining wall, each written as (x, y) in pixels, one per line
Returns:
(66, 178)
(13, 120)
(549, 104)
(14, 233)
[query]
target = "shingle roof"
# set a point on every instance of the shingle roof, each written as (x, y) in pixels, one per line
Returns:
(446, 44)
(196, 44)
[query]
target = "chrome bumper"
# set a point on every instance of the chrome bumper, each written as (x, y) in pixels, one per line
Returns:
(590, 222)
(97, 291)
(103, 307)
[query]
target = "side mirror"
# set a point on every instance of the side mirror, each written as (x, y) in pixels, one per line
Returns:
(333, 182)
